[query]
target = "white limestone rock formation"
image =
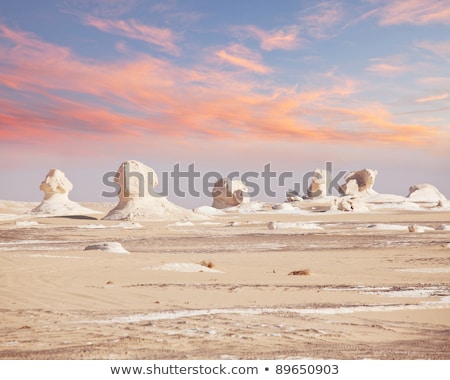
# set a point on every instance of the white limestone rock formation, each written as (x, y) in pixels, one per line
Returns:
(138, 198)
(229, 193)
(359, 183)
(293, 196)
(56, 187)
(425, 193)
(112, 246)
(353, 204)
(318, 186)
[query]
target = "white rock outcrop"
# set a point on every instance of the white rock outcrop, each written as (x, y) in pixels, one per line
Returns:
(137, 197)
(56, 187)
(112, 246)
(425, 193)
(229, 193)
(354, 204)
(358, 183)
(318, 186)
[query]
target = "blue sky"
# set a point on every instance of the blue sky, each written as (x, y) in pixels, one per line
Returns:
(85, 85)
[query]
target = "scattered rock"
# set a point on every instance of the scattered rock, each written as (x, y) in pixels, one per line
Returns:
(301, 272)
(293, 196)
(426, 193)
(298, 225)
(351, 204)
(318, 186)
(229, 193)
(112, 246)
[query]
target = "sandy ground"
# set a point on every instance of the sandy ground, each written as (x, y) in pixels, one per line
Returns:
(370, 293)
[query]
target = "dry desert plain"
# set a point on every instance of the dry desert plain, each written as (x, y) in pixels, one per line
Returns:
(337, 285)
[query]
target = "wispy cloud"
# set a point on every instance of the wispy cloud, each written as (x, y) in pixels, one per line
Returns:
(419, 12)
(388, 66)
(321, 20)
(432, 98)
(286, 38)
(239, 55)
(163, 38)
(53, 93)
(441, 49)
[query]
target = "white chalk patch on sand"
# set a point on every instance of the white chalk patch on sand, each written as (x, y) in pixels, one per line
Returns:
(55, 257)
(387, 227)
(30, 242)
(183, 267)
(35, 248)
(182, 224)
(124, 225)
(128, 225)
(28, 223)
(295, 225)
(426, 270)
(443, 303)
(286, 208)
(92, 226)
(208, 210)
(112, 246)
(10, 216)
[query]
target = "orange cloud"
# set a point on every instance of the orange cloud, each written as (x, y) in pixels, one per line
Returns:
(420, 12)
(162, 37)
(241, 56)
(432, 98)
(48, 93)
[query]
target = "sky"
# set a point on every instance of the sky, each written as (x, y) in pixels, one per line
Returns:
(226, 86)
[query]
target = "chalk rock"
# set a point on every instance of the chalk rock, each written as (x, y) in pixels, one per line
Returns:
(112, 246)
(359, 182)
(56, 187)
(138, 198)
(354, 204)
(229, 193)
(318, 186)
(293, 196)
(425, 193)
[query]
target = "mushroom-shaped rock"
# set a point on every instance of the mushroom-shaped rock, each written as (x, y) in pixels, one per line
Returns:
(359, 182)
(229, 193)
(425, 193)
(318, 186)
(56, 187)
(138, 198)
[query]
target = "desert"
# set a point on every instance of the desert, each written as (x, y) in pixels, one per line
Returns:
(291, 280)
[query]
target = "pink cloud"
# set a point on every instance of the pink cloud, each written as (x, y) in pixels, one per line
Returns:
(420, 12)
(49, 93)
(239, 55)
(321, 20)
(441, 49)
(389, 66)
(286, 38)
(432, 98)
(164, 38)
